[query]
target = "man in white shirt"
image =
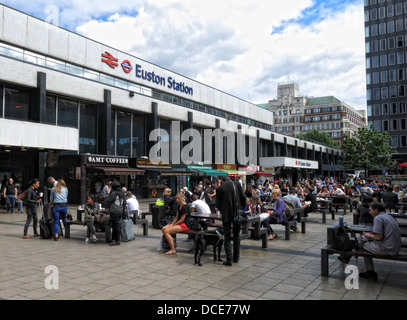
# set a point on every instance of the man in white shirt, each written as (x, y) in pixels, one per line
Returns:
(132, 204)
(199, 205)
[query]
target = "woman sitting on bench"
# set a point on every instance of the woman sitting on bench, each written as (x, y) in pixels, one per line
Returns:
(179, 224)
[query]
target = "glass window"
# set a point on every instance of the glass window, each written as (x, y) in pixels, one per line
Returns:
(403, 141)
(375, 62)
(17, 103)
(87, 128)
(399, 25)
(394, 124)
(374, 30)
(113, 131)
(385, 108)
(375, 46)
(402, 91)
(402, 108)
(393, 92)
(383, 60)
(376, 93)
(392, 75)
(376, 110)
(50, 111)
(393, 108)
(383, 44)
(67, 113)
(375, 78)
(400, 41)
(382, 28)
(395, 141)
(123, 137)
(392, 59)
(378, 125)
(383, 76)
(392, 43)
(385, 93)
(138, 137)
(390, 26)
(1, 101)
(373, 14)
(400, 57)
(385, 125)
(390, 10)
(399, 9)
(402, 124)
(382, 13)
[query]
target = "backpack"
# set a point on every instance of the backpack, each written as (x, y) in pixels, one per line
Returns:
(344, 239)
(289, 209)
(117, 206)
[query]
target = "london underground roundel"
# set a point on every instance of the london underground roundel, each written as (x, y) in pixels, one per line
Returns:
(127, 67)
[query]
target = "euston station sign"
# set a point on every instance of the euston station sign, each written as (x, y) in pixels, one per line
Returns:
(146, 75)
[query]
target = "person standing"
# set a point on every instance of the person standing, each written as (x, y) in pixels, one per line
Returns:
(59, 201)
(10, 194)
(116, 203)
(31, 202)
(226, 196)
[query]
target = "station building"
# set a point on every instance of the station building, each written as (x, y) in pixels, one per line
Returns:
(77, 109)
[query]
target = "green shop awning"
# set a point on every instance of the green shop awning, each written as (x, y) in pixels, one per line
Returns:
(210, 172)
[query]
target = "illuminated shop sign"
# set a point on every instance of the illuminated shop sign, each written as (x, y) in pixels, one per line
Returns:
(147, 75)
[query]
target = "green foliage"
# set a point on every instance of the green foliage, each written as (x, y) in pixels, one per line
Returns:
(320, 138)
(368, 150)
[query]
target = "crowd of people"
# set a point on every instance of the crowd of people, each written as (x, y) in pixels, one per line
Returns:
(268, 199)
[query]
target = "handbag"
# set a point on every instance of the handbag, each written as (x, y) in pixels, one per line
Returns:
(102, 219)
(240, 216)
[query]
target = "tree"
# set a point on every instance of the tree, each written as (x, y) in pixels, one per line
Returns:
(320, 138)
(368, 150)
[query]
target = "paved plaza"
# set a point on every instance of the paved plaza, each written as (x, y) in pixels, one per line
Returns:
(68, 269)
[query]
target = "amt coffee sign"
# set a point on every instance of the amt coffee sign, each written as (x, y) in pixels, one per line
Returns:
(105, 160)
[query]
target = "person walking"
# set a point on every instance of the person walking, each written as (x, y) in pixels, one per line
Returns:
(226, 196)
(31, 202)
(59, 201)
(10, 194)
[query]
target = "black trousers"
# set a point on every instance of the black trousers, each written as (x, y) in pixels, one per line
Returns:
(31, 215)
(115, 222)
(232, 252)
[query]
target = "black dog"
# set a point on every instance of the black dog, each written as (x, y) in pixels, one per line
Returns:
(213, 238)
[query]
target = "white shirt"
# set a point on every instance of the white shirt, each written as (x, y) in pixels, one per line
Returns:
(200, 206)
(132, 204)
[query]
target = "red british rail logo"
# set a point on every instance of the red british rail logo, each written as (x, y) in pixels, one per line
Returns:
(110, 60)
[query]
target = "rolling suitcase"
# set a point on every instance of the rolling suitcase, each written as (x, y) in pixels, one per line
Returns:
(45, 225)
(126, 230)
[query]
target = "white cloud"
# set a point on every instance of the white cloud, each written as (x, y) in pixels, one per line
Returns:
(230, 44)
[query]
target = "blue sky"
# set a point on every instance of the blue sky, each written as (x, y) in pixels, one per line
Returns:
(245, 48)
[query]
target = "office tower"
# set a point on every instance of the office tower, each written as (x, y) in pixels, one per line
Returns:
(386, 41)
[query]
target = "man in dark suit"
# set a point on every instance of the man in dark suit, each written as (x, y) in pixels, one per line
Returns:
(226, 204)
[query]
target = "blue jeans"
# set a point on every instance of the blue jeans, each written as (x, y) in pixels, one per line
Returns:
(59, 213)
(11, 202)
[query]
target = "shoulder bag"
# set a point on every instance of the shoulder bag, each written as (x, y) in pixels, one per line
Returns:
(240, 216)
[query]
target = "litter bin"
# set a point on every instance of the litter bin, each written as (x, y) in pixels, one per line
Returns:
(159, 213)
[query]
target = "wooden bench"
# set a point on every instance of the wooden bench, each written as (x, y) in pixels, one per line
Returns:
(328, 249)
(108, 229)
(338, 205)
(256, 231)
